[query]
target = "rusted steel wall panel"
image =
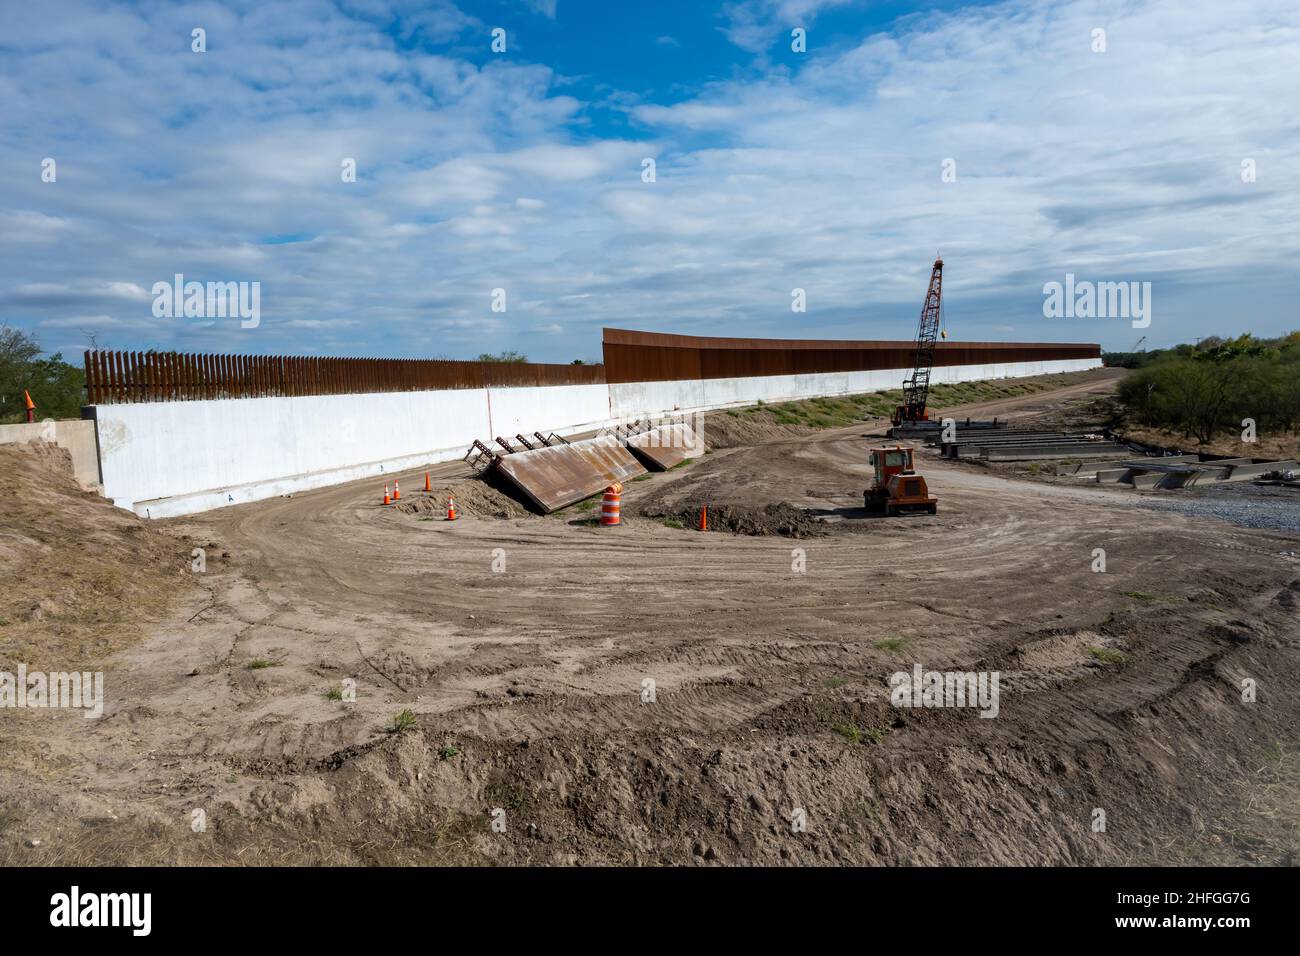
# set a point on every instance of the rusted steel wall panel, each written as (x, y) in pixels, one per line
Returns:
(170, 376)
(559, 475)
(632, 356)
(666, 446)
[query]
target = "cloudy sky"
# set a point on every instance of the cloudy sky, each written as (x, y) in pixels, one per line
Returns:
(522, 170)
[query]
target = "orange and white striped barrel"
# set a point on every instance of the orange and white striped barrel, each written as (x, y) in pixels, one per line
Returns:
(609, 504)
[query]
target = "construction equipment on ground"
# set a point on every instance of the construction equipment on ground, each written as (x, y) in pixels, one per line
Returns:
(1024, 444)
(897, 488)
(916, 387)
(930, 431)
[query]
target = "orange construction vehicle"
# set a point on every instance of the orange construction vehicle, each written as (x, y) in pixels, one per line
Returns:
(897, 488)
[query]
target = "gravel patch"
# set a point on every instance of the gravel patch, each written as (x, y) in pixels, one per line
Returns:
(1247, 505)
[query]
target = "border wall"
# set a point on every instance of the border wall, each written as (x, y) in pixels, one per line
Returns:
(652, 372)
(183, 434)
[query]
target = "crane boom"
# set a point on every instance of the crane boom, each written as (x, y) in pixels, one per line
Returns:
(916, 387)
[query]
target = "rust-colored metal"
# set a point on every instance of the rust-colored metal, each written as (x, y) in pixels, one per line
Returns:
(480, 457)
(632, 356)
(666, 446)
(113, 376)
(559, 475)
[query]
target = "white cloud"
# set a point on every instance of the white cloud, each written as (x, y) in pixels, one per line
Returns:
(23, 227)
(546, 8)
(755, 25)
(1123, 165)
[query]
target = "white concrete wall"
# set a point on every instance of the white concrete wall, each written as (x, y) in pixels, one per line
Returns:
(649, 398)
(169, 458)
(565, 409)
(173, 458)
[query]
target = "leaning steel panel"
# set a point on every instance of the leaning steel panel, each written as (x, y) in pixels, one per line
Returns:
(554, 477)
(666, 446)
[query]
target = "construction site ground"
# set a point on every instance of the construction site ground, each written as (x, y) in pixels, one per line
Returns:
(500, 666)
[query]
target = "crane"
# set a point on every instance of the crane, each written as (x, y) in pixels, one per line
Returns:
(916, 387)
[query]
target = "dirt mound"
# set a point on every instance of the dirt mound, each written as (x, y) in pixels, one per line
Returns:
(782, 519)
(474, 497)
(80, 575)
(749, 426)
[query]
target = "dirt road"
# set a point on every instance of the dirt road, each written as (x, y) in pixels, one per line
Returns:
(650, 694)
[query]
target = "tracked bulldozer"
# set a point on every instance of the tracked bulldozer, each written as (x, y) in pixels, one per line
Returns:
(897, 489)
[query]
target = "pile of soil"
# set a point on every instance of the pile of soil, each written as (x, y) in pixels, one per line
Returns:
(80, 574)
(725, 430)
(782, 519)
(474, 497)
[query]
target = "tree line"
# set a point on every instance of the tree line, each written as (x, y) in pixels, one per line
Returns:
(57, 388)
(1211, 387)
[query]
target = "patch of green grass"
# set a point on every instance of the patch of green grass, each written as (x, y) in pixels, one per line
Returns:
(673, 523)
(447, 752)
(646, 477)
(835, 683)
(1140, 595)
(261, 663)
(681, 464)
(586, 504)
(402, 721)
(891, 643)
(333, 693)
(844, 410)
(848, 732)
(876, 735)
(1106, 655)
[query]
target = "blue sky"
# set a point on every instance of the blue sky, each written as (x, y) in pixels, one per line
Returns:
(775, 169)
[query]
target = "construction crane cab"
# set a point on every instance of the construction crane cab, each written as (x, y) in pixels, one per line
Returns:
(897, 488)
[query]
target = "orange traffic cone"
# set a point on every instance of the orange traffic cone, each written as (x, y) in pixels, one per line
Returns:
(387, 499)
(31, 406)
(397, 491)
(704, 518)
(426, 482)
(451, 507)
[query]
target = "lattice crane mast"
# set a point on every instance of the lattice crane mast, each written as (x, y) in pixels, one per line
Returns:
(916, 387)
